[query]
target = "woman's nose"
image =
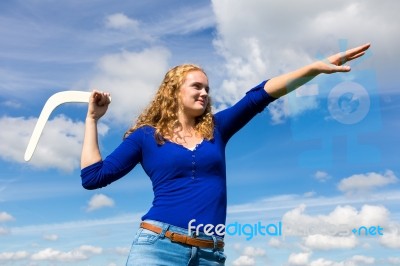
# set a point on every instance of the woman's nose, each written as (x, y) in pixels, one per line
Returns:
(203, 92)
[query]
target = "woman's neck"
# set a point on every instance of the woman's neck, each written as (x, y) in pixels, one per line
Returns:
(187, 123)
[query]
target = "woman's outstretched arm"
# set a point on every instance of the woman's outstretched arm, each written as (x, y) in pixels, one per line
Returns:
(98, 105)
(281, 85)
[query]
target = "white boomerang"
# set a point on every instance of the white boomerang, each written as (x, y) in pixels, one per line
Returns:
(51, 104)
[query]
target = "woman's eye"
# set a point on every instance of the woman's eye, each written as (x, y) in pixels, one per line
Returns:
(200, 87)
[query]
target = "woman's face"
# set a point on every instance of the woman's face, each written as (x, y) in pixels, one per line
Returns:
(194, 94)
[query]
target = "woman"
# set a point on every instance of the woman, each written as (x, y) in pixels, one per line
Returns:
(181, 146)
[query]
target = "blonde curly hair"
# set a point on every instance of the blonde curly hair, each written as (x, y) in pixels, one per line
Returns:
(162, 113)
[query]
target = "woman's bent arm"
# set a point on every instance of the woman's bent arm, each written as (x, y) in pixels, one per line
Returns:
(90, 149)
(98, 105)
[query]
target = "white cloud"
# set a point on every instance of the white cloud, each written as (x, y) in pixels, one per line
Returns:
(13, 256)
(252, 251)
(305, 98)
(281, 204)
(309, 194)
(56, 255)
(394, 260)
(363, 259)
(132, 78)
(291, 106)
(91, 249)
(327, 242)
(275, 243)
(322, 176)
(4, 231)
(357, 260)
(334, 229)
(372, 215)
(51, 237)
(299, 258)
(244, 261)
(123, 29)
(184, 21)
(294, 104)
(324, 262)
(15, 136)
(11, 104)
(391, 239)
(81, 253)
(277, 111)
(120, 21)
(6, 217)
(59, 146)
(79, 225)
(99, 201)
(122, 250)
(366, 182)
(248, 255)
(267, 43)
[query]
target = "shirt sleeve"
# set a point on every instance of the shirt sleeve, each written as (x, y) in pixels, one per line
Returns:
(232, 119)
(120, 162)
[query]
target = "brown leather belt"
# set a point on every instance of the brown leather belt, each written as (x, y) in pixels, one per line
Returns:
(184, 239)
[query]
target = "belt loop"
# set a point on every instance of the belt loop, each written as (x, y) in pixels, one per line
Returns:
(215, 243)
(193, 234)
(165, 228)
(193, 256)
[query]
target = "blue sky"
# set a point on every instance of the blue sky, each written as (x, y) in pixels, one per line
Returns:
(322, 157)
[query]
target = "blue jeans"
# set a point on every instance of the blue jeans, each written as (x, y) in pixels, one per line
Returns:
(150, 248)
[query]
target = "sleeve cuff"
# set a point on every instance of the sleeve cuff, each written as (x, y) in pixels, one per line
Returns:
(261, 96)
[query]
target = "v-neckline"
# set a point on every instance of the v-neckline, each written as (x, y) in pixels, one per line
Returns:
(186, 148)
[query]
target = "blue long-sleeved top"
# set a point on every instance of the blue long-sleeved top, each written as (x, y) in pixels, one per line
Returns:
(187, 184)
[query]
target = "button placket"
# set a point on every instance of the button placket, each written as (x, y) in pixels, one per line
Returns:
(194, 163)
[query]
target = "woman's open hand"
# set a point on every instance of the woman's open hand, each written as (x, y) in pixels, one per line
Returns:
(336, 62)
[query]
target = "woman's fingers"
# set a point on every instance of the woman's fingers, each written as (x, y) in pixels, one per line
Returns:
(101, 98)
(355, 56)
(106, 98)
(340, 59)
(357, 51)
(354, 53)
(343, 69)
(98, 105)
